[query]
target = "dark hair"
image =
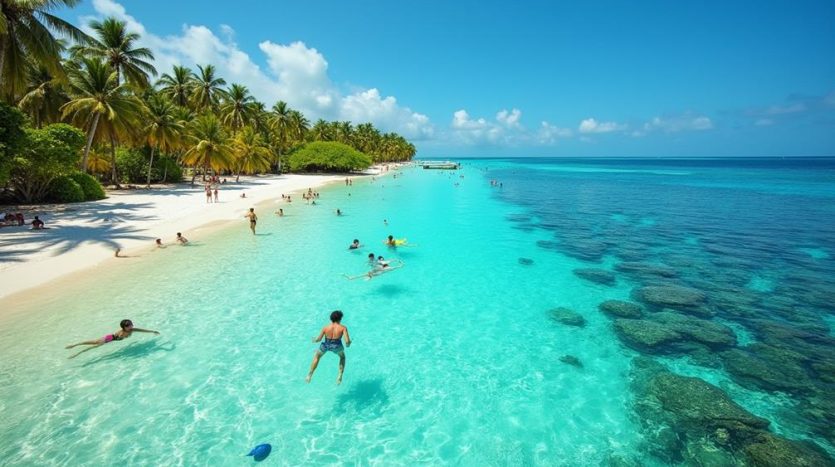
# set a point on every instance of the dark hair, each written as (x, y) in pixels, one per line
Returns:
(371, 255)
(380, 257)
(178, 234)
(391, 237)
(336, 316)
(356, 240)
(125, 323)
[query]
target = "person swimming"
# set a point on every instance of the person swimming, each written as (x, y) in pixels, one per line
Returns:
(332, 334)
(379, 266)
(391, 242)
(125, 331)
(182, 240)
(354, 245)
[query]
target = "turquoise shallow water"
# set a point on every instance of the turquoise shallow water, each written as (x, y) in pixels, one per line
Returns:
(455, 358)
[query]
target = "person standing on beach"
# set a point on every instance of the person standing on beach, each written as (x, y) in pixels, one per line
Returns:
(208, 193)
(332, 333)
(253, 219)
(216, 192)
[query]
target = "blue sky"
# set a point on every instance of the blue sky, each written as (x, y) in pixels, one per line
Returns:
(532, 78)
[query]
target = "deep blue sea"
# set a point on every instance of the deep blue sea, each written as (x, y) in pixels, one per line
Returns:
(614, 312)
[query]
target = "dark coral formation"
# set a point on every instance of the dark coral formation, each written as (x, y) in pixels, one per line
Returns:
(571, 360)
(689, 420)
(567, 317)
(621, 309)
(598, 276)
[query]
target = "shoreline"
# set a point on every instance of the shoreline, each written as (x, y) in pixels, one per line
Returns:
(83, 236)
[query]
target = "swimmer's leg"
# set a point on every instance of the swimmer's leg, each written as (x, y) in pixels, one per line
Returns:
(313, 365)
(93, 342)
(92, 346)
(341, 367)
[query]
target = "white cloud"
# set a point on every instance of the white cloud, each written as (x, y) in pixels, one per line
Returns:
(549, 134)
(674, 124)
(591, 125)
(295, 73)
(509, 119)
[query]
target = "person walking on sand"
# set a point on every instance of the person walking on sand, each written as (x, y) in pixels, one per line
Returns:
(332, 333)
(126, 330)
(216, 193)
(253, 219)
(208, 193)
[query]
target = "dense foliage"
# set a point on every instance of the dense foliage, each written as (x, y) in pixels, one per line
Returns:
(47, 154)
(65, 189)
(138, 129)
(12, 137)
(89, 186)
(328, 156)
(134, 164)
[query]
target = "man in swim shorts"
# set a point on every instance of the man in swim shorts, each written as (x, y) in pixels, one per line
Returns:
(253, 219)
(126, 330)
(332, 333)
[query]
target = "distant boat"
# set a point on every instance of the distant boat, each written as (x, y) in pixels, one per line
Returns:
(445, 165)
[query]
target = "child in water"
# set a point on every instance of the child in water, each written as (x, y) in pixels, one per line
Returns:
(126, 330)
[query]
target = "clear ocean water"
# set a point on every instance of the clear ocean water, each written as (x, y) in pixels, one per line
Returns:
(456, 359)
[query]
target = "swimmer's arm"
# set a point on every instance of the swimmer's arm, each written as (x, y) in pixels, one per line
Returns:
(347, 337)
(145, 330)
(321, 335)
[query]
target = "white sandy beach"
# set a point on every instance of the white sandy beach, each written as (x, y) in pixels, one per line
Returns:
(83, 235)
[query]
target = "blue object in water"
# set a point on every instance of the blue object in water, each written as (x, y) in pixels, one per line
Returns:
(260, 452)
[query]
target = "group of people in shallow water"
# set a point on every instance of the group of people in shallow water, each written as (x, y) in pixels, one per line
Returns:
(331, 333)
(330, 336)
(18, 219)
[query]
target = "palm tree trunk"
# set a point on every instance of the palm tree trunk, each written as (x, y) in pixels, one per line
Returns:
(89, 142)
(113, 173)
(151, 165)
(193, 175)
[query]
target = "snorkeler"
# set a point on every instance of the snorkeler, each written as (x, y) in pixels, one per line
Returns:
(126, 330)
(332, 333)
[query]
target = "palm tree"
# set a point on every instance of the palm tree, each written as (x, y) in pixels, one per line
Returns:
(260, 119)
(207, 88)
(163, 129)
(321, 131)
(280, 126)
(251, 152)
(299, 126)
(237, 107)
(26, 33)
(343, 132)
(44, 96)
(208, 145)
(366, 138)
(177, 86)
(96, 94)
(116, 46)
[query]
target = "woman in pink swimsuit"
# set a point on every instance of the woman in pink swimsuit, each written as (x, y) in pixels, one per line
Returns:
(126, 330)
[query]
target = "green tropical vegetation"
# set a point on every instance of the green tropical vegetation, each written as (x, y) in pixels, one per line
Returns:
(80, 111)
(328, 156)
